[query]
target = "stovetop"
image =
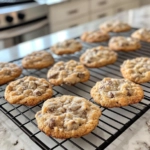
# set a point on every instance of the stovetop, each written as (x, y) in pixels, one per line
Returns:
(19, 14)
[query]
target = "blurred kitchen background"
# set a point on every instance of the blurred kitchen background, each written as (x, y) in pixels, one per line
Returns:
(23, 20)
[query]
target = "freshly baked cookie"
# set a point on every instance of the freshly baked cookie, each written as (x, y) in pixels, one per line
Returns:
(70, 72)
(142, 34)
(38, 60)
(136, 70)
(116, 92)
(95, 36)
(66, 47)
(8, 72)
(115, 26)
(68, 117)
(98, 57)
(28, 91)
(124, 43)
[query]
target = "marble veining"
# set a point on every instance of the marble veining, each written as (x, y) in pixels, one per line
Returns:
(8, 140)
(136, 137)
(12, 138)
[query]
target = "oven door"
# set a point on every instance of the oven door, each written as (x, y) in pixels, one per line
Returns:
(16, 35)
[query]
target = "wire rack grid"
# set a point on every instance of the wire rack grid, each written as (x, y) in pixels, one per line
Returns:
(112, 123)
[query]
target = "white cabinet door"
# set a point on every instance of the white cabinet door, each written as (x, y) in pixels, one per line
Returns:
(69, 24)
(68, 11)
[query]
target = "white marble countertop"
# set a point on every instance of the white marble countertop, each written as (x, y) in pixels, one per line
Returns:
(12, 137)
(50, 2)
(136, 137)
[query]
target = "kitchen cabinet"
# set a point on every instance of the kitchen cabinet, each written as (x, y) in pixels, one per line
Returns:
(74, 12)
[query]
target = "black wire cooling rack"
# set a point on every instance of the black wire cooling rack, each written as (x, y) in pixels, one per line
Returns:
(112, 123)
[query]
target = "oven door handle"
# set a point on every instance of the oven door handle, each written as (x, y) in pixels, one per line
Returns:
(17, 31)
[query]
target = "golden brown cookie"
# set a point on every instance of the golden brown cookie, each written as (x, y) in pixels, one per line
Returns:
(115, 26)
(95, 36)
(8, 72)
(68, 117)
(28, 91)
(142, 34)
(116, 92)
(70, 73)
(66, 47)
(121, 43)
(137, 69)
(38, 60)
(98, 57)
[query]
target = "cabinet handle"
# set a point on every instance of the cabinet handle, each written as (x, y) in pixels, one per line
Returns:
(102, 3)
(119, 9)
(102, 15)
(73, 25)
(72, 11)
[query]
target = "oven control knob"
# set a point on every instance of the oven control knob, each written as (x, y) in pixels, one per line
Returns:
(21, 16)
(9, 19)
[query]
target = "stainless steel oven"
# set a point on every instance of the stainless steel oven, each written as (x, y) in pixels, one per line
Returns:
(22, 22)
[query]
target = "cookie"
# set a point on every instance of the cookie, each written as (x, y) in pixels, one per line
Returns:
(8, 72)
(121, 43)
(142, 34)
(137, 69)
(115, 26)
(70, 73)
(116, 92)
(66, 47)
(67, 117)
(95, 36)
(98, 57)
(28, 91)
(38, 60)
